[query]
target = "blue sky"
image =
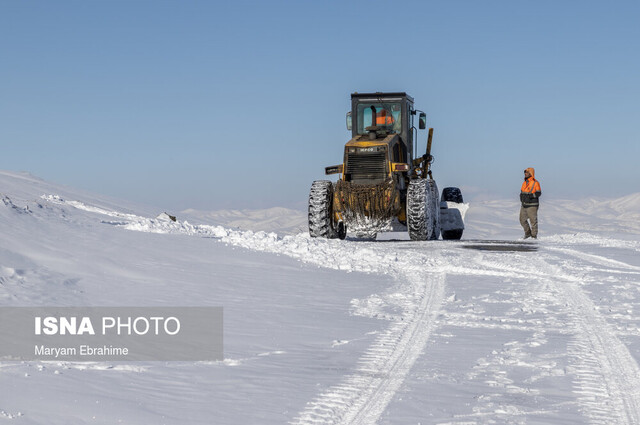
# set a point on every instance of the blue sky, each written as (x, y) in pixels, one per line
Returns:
(241, 104)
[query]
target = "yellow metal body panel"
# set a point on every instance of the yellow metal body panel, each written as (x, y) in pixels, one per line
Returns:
(362, 141)
(373, 200)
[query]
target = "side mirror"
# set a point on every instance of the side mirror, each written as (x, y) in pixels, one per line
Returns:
(349, 124)
(422, 121)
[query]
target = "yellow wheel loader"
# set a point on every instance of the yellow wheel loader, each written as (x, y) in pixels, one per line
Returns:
(383, 184)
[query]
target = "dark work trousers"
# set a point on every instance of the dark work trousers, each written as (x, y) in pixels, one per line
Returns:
(529, 215)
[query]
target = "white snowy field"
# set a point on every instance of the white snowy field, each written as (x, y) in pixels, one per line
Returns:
(485, 330)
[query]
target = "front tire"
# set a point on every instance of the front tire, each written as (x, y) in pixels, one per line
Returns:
(423, 210)
(321, 212)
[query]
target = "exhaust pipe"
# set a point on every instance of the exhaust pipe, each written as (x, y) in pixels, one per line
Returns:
(374, 124)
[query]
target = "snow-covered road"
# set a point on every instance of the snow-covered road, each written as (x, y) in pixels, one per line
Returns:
(468, 332)
(553, 283)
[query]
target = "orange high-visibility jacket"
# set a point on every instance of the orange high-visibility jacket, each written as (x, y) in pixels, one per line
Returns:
(383, 119)
(530, 190)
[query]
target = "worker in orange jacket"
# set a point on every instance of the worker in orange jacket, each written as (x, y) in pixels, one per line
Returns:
(384, 118)
(529, 197)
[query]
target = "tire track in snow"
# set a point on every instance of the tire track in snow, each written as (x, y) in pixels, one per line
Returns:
(607, 374)
(364, 395)
(596, 259)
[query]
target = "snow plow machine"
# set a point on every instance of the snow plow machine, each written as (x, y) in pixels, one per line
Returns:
(384, 185)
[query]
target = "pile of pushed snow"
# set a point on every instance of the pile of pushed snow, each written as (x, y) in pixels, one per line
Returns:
(163, 223)
(300, 246)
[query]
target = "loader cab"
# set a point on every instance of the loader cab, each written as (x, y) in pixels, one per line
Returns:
(389, 112)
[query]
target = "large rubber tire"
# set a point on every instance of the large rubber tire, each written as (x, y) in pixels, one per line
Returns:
(452, 194)
(321, 211)
(423, 210)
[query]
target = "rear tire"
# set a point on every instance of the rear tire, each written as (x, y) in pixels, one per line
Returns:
(423, 210)
(321, 212)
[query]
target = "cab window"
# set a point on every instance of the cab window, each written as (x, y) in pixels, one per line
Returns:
(385, 115)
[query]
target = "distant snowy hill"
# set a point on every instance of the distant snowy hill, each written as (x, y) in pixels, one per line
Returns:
(484, 330)
(283, 221)
(497, 218)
